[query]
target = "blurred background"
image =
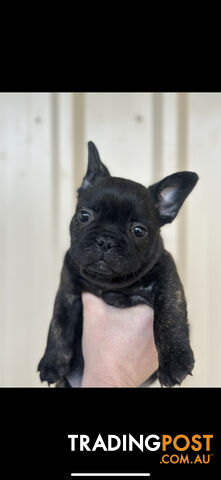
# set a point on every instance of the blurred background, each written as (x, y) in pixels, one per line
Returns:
(43, 157)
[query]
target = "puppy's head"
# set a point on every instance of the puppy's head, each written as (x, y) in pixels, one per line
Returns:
(115, 232)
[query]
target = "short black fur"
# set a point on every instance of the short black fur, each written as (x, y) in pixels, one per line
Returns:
(117, 253)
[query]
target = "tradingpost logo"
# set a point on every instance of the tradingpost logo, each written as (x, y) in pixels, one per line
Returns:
(174, 449)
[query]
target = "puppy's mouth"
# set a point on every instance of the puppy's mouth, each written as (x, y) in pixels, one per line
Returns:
(99, 268)
(102, 275)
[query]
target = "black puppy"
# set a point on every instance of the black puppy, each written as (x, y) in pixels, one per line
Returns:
(117, 253)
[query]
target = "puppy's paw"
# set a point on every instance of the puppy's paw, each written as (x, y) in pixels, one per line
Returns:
(174, 370)
(115, 299)
(121, 300)
(52, 367)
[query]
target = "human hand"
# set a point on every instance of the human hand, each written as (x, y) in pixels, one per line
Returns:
(118, 344)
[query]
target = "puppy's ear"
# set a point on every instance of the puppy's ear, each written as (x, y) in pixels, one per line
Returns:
(96, 170)
(170, 193)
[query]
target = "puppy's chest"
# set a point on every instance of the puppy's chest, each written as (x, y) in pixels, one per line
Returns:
(141, 292)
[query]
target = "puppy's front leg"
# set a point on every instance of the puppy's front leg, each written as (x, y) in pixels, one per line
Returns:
(55, 363)
(171, 327)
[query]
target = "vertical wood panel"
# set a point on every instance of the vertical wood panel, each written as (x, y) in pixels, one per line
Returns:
(79, 143)
(203, 240)
(121, 127)
(157, 136)
(55, 184)
(65, 186)
(25, 140)
(3, 240)
(169, 163)
(37, 202)
(182, 164)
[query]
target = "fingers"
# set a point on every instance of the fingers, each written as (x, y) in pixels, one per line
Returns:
(137, 320)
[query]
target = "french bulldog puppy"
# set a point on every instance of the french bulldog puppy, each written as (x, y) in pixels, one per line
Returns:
(117, 253)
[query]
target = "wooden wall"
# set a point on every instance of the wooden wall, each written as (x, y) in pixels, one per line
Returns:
(142, 136)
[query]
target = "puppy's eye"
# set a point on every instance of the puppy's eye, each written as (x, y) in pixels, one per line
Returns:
(139, 231)
(84, 216)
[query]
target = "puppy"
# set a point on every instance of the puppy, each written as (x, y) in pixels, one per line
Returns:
(117, 253)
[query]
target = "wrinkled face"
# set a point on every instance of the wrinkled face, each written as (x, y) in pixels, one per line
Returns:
(114, 229)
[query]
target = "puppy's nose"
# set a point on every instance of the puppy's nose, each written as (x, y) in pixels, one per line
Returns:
(105, 243)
